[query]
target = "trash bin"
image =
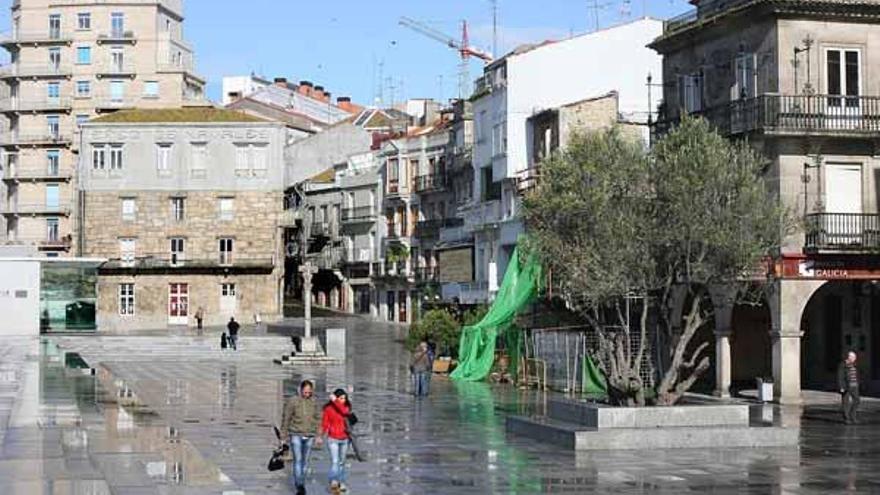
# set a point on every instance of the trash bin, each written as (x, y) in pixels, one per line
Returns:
(765, 390)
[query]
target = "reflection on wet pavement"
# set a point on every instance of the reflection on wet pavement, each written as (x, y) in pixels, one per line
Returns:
(189, 420)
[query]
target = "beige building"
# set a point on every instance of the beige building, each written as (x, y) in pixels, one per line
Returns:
(186, 205)
(795, 78)
(71, 61)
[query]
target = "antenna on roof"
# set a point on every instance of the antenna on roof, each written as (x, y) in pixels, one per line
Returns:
(494, 28)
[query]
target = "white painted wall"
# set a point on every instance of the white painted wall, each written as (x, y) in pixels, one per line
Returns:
(243, 85)
(20, 296)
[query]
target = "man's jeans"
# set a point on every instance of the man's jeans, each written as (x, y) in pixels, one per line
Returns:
(301, 447)
(850, 403)
(421, 383)
(338, 450)
(233, 342)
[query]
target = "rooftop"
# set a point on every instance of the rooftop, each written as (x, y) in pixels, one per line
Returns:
(161, 115)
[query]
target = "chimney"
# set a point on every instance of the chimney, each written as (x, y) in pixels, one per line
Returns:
(305, 88)
(344, 103)
(281, 82)
(318, 94)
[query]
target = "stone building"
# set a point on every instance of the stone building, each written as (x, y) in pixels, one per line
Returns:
(186, 205)
(794, 78)
(71, 61)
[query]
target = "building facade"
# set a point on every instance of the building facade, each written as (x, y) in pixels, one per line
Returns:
(186, 205)
(514, 88)
(71, 61)
(794, 78)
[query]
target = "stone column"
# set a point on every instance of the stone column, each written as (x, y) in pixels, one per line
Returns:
(723, 301)
(786, 366)
(309, 343)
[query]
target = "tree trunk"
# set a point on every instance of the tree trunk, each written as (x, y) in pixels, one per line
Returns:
(685, 370)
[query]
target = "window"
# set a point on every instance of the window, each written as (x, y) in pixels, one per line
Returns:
(81, 119)
(258, 160)
(53, 158)
(178, 249)
(117, 91)
(227, 208)
(117, 59)
(99, 157)
(53, 91)
(393, 175)
(52, 197)
(127, 250)
(117, 24)
(151, 89)
(199, 166)
(163, 159)
(84, 21)
(226, 251)
(251, 160)
(843, 77)
(55, 26)
(227, 290)
(115, 157)
(52, 230)
(126, 299)
(178, 209)
(746, 77)
(129, 209)
(83, 89)
(54, 126)
(84, 55)
(690, 92)
(55, 58)
(241, 160)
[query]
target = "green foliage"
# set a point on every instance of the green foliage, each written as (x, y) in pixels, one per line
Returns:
(438, 326)
(474, 315)
(396, 253)
(610, 219)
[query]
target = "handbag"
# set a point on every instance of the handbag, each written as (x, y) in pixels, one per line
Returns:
(276, 462)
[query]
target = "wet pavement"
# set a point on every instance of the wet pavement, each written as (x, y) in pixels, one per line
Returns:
(175, 415)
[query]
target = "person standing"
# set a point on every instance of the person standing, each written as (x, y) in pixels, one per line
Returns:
(233, 327)
(200, 315)
(848, 383)
(335, 422)
(301, 421)
(420, 366)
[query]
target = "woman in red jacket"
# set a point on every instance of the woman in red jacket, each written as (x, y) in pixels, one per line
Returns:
(335, 425)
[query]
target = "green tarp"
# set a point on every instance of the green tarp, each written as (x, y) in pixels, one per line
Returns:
(594, 384)
(476, 353)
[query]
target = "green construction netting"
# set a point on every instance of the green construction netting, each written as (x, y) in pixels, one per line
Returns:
(476, 353)
(593, 380)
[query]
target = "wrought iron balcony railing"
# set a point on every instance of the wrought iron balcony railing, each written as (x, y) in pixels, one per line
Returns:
(428, 273)
(846, 232)
(35, 105)
(359, 214)
(432, 182)
(427, 228)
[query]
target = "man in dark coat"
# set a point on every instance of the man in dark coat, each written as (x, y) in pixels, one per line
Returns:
(233, 327)
(848, 384)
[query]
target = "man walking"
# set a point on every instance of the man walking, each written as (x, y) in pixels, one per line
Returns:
(301, 420)
(420, 367)
(848, 383)
(200, 316)
(233, 327)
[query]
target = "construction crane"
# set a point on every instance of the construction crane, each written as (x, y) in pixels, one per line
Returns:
(463, 47)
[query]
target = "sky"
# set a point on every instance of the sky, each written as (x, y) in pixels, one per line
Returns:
(357, 48)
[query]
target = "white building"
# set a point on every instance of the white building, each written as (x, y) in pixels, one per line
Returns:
(523, 83)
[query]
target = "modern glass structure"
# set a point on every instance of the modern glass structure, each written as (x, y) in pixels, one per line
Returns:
(68, 296)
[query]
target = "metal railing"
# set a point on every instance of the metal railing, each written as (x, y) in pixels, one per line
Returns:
(37, 209)
(114, 36)
(42, 242)
(39, 104)
(16, 173)
(35, 70)
(359, 214)
(14, 139)
(431, 182)
(428, 273)
(842, 232)
(360, 255)
(115, 69)
(36, 36)
(707, 8)
(792, 114)
(432, 227)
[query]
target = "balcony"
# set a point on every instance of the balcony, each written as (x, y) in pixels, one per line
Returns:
(482, 215)
(16, 174)
(527, 179)
(116, 70)
(431, 228)
(36, 38)
(359, 214)
(433, 182)
(36, 71)
(35, 140)
(169, 265)
(35, 209)
(44, 244)
(773, 114)
(357, 256)
(117, 37)
(842, 232)
(426, 274)
(52, 105)
(113, 103)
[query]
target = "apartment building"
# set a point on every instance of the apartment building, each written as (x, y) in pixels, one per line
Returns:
(186, 204)
(71, 61)
(794, 78)
(527, 81)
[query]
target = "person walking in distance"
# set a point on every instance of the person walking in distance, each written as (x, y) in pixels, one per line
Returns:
(420, 366)
(200, 316)
(848, 383)
(233, 327)
(301, 421)
(335, 423)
